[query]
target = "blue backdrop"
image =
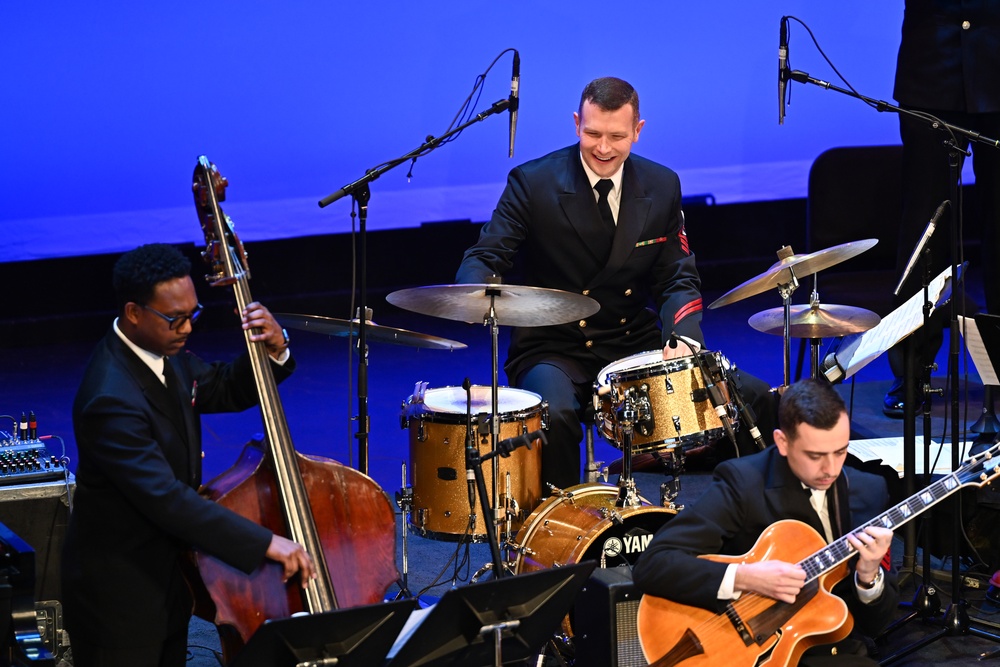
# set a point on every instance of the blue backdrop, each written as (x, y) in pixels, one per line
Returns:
(107, 104)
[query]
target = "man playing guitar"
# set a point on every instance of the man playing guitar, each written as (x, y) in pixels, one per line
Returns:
(802, 478)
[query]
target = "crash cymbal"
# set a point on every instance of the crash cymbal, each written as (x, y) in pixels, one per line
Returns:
(373, 332)
(822, 320)
(780, 272)
(514, 305)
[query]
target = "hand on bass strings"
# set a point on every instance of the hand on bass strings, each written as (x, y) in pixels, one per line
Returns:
(293, 558)
(267, 330)
(773, 578)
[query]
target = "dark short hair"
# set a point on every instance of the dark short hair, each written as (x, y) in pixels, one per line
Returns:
(809, 401)
(138, 272)
(611, 94)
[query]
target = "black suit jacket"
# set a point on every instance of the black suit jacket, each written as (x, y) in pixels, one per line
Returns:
(942, 64)
(137, 506)
(746, 496)
(548, 212)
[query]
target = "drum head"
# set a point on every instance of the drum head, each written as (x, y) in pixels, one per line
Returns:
(641, 360)
(453, 400)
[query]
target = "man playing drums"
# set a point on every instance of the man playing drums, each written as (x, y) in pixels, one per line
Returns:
(593, 219)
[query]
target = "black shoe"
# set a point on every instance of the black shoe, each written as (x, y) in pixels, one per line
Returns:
(892, 406)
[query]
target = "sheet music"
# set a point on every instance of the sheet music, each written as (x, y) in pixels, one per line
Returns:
(890, 452)
(413, 622)
(861, 349)
(977, 350)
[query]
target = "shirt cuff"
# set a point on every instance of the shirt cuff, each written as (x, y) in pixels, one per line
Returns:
(282, 358)
(869, 595)
(727, 587)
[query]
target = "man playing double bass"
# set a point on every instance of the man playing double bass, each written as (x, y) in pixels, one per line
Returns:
(138, 433)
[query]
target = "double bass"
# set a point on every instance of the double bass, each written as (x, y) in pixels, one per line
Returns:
(342, 518)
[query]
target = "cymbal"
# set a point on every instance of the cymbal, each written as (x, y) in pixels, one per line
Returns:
(373, 332)
(817, 321)
(780, 272)
(514, 305)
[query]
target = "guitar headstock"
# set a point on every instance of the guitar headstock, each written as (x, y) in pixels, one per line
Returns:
(224, 251)
(982, 468)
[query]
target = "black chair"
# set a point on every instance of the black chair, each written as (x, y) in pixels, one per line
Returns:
(855, 193)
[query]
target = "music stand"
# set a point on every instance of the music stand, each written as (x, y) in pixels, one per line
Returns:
(520, 612)
(354, 637)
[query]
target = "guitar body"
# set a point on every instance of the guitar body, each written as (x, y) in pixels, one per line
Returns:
(777, 633)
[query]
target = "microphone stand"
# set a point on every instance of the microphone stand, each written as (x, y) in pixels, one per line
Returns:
(361, 193)
(956, 618)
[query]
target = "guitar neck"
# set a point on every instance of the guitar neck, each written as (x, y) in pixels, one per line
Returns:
(976, 472)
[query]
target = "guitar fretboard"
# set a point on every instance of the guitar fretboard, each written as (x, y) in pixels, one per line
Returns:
(977, 471)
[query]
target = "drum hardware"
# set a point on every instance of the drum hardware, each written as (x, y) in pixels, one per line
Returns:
(784, 275)
(628, 496)
(404, 500)
(716, 398)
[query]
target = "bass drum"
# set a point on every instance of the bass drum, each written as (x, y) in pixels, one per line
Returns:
(584, 524)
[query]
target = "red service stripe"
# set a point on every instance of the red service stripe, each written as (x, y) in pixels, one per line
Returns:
(692, 307)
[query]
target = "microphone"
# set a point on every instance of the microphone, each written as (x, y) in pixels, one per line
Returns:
(515, 83)
(782, 67)
(931, 226)
(717, 399)
(470, 450)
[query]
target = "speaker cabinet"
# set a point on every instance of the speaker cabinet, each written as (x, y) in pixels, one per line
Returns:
(604, 627)
(39, 515)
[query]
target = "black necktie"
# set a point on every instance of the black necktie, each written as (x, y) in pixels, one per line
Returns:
(603, 187)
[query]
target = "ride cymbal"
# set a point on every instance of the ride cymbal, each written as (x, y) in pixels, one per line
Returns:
(781, 271)
(513, 305)
(373, 332)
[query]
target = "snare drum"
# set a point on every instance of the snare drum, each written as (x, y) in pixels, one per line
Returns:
(436, 419)
(671, 404)
(584, 524)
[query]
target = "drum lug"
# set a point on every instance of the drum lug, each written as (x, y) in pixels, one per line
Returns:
(421, 434)
(668, 385)
(676, 419)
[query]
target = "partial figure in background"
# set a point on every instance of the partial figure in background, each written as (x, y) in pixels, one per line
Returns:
(948, 65)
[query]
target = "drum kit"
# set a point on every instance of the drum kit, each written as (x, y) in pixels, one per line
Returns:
(643, 404)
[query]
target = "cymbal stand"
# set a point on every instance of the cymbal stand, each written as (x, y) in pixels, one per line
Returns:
(404, 500)
(491, 321)
(785, 290)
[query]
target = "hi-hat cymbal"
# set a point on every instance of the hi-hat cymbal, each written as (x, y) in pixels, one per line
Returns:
(514, 305)
(780, 272)
(817, 321)
(373, 332)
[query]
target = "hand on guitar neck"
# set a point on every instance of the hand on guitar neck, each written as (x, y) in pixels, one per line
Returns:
(783, 581)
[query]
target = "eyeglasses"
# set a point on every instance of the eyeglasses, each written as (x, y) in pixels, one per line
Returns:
(177, 322)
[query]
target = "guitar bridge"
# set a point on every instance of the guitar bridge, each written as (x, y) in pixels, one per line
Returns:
(741, 627)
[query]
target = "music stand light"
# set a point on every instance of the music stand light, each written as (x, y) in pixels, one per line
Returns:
(353, 637)
(461, 629)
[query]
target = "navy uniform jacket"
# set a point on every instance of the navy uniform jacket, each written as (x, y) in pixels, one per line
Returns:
(137, 507)
(548, 212)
